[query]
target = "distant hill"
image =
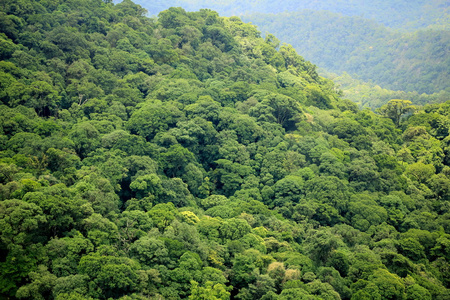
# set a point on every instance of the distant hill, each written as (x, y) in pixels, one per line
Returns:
(398, 14)
(415, 61)
(367, 94)
(401, 46)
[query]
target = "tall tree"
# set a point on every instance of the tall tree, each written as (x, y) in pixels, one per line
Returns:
(396, 108)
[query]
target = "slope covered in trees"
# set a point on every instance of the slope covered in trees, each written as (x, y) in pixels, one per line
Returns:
(351, 37)
(414, 61)
(367, 94)
(185, 157)
(399, 14)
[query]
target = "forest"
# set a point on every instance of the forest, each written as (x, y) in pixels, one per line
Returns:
(402, 61)
(401, 14)
(373, 96)
(184, 156)
(377, 50)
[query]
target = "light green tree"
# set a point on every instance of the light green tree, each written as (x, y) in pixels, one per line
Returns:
(396, 108)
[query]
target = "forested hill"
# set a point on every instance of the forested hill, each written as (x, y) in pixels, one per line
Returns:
(404, 14)
(185, 157)
(400, 46)
(373, 96)
(413, 61)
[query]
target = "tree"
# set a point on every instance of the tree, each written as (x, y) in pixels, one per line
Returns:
(40, 287)
(149, 251)
(261, 286)
(75, 285)
(165, 137)
(173, 17)
(417, 292)
(246, 265)
(339, 261)
(63, 207)
(411, 248)
(110, 276)
(152, 118)
(176, 159)
(286, 110)
(390, 286)
(42, 97)
(395, 109)
(214, 200)
(86, 138)
(65, 253)
(210, 291)
(320, 245)
(329, 190)
(296, 294)
(365, 213)
(19, 229)
(99, 192)
(420, 172)
(163, 214)
(229, 176)
(316, 97)
(146, 185)
(288, 190)
(19, 222)
(234, 229)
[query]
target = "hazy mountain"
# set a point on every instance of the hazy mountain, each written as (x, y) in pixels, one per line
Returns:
(399, 14)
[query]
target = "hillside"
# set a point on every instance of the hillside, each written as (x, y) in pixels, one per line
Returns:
(409, 15)
(401, 46)
(415, 61)
(186, 157)
(367, 94)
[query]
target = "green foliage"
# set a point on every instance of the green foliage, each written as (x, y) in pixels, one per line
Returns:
(152, 118)
(395, 109)
(210, 291)
(369, 94)
(185, 157)
(365, 49)
(109, 275)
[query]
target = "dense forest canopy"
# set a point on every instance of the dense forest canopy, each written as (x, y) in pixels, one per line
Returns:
(186, 157)
(401, 46)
